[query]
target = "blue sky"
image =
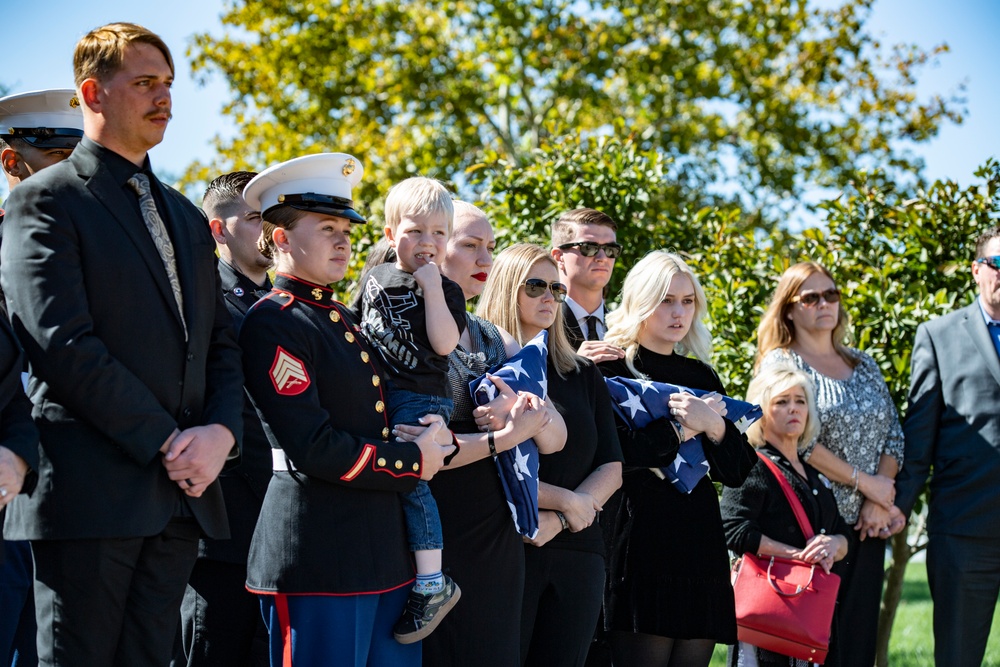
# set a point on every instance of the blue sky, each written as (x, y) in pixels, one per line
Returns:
(52, 27)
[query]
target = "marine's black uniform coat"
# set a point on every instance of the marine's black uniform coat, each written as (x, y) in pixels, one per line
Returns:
(334, 524)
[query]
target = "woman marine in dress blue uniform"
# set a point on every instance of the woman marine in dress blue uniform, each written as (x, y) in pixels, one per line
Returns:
(329, 556)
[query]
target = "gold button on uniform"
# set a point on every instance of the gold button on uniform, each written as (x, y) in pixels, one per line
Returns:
(379, 406)
(349, 336)
(364, 356)
(385, 433)
(416, 467)
(376, 381)
(381, 462)
(399, 465)
(335, 316)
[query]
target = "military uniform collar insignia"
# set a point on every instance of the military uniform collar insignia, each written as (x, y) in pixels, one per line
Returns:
(311, 293)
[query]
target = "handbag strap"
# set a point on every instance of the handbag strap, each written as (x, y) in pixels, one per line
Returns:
(793, 500)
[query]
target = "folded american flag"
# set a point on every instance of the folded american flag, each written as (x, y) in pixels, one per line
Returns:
(518, 467)
(639, 402)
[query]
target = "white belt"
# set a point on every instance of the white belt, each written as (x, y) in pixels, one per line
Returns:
(280, 462)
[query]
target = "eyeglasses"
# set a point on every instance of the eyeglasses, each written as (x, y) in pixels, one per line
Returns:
(993, 261)
(590, 249)
(535, 287)
(812, 298)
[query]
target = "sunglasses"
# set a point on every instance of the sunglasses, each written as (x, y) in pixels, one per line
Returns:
(590, 249)
(812, 298)
(993, 261)
(535, 287)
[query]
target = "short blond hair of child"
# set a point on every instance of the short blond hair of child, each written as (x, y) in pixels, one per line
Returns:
(418, 196)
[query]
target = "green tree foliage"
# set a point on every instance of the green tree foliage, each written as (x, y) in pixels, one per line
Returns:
(783, 92)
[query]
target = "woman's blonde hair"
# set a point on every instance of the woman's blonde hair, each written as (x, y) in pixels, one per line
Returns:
(498, 303)
(776, 330)
(774, 380)
(644, 289)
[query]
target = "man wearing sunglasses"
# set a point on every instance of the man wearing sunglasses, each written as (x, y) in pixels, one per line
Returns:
(953, 427)
(585, 249)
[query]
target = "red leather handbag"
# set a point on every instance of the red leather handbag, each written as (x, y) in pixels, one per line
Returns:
(785, 605)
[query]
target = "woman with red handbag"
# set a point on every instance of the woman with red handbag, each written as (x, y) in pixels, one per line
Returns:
(757, 516)
(859, 446)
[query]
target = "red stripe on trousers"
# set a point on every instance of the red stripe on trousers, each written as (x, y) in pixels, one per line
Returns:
(285, 627)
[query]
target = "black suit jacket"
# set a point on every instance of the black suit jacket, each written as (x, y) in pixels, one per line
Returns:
(953, 424)
(111, 372)
(243, 485)
(17, 431)
(572, 327)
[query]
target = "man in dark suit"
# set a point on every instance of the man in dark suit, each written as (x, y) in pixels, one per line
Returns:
(953, 426)
(112, 287)
(584, 247)
(221, 623)
(37, 129)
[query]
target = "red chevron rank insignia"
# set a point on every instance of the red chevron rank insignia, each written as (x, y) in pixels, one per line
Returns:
(288, 374)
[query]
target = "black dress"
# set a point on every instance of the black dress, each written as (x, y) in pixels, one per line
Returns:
(483, 552)
(759, 508)
(669, 563)
(564, 578)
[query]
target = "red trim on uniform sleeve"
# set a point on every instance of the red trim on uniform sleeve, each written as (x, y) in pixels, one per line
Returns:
(285, 628)
(366, 455)
(288, 374)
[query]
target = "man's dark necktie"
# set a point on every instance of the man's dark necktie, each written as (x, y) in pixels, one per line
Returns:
(592, 321)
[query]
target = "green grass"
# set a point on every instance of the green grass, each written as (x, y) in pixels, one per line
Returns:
(912, 641)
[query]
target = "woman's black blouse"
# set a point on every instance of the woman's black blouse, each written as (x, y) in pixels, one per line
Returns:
(759, 507)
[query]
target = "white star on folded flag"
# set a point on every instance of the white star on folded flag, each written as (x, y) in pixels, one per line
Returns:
(634, 403)
(648, 385)
(521, 464)
(515, 368)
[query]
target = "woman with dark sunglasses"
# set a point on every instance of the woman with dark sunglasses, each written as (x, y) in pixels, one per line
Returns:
(860, 443)
(564, 564)
(669, 598)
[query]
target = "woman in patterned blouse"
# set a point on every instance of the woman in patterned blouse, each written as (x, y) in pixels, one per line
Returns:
(860, 444)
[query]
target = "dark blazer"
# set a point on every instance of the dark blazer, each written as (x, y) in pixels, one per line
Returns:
(111, 373)
(243, 485)
(953, 425)
(17, 431)
(572, 327)
(759, 508)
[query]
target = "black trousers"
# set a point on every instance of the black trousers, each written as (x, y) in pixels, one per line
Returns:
(563, 590)
(221, 622)
(856, 636)
(112, 602)
(964, 578)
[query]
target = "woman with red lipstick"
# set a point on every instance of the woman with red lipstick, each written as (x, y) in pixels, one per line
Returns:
(860, 442)
(757, 517)
(669, 598)
(484, 551)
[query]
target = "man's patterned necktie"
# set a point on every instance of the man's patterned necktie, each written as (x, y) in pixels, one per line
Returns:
(164, 246)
